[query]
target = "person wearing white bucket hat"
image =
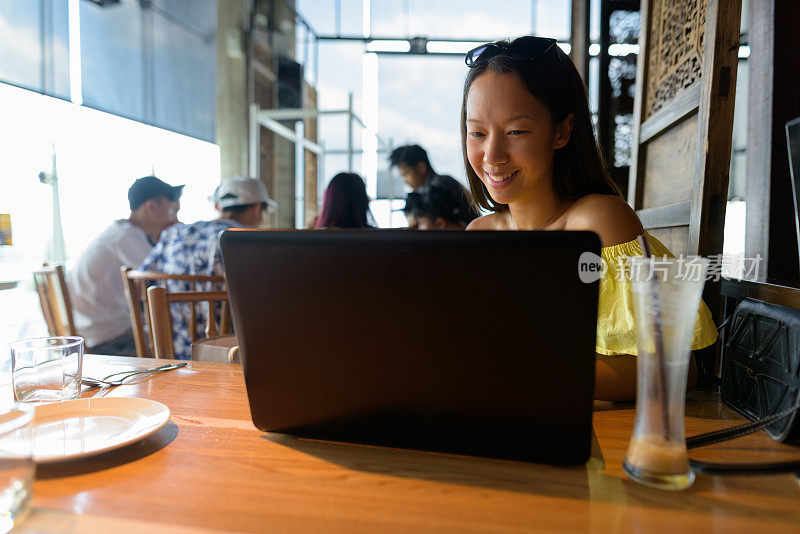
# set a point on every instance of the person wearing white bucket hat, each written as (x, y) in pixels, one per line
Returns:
(241, 191)
(194, 248)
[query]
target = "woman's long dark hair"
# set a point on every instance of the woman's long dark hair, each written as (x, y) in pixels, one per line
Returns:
(578, 167)
(345, 204)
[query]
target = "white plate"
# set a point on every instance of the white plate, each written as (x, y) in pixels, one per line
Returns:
(83, 427)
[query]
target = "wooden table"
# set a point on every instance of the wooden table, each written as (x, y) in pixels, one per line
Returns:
(210, 470)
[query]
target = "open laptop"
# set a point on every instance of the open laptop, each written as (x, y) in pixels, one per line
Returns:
(475, 343)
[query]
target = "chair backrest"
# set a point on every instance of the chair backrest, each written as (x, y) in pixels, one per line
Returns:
(136, 283)
(51, 286)
(161, 320)
(683, 121)
(682, 127)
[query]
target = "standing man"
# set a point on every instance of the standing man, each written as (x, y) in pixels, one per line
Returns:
(95, 284)
(194, 249)
(414, 166)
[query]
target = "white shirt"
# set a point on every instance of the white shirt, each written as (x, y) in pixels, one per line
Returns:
(95, 283)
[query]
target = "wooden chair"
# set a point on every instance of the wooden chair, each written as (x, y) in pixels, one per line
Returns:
(685, 89)
(51, 286)
(159, 301)
(683, 122)
(136, 283)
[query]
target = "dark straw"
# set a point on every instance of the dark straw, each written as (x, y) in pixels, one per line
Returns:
(659, 340)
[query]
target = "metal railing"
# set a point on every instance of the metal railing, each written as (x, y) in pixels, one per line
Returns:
(269, 118)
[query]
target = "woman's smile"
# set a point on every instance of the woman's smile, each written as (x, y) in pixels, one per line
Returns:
(499, 180)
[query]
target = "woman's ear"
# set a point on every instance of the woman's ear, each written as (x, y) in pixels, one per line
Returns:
(563, 132)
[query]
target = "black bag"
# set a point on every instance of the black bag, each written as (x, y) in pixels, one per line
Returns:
(761, 365)
(760, 368)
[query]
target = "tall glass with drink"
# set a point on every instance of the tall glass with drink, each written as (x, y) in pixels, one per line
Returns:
(667, 294)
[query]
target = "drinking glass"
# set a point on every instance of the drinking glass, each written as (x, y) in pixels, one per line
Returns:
(47, 369)
(16, 463)
(666, 295)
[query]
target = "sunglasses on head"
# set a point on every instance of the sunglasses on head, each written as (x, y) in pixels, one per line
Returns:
(523, 49)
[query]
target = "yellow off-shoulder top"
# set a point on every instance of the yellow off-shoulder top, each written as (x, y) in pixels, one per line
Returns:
(616, 324)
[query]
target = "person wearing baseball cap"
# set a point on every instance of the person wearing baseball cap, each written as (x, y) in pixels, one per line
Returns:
(194, 248)
(151, 188)
(98, 298)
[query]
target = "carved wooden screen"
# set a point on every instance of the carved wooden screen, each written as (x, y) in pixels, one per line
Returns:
(686, 76)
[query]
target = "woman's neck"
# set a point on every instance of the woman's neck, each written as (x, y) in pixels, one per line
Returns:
(535, 213)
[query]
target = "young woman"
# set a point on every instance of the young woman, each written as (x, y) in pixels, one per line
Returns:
(345, 203)
(532, 160)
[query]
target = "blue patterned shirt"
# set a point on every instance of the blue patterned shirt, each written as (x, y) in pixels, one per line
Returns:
(188, 249)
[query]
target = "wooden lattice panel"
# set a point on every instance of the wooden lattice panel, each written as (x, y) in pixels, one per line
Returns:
(676, 49)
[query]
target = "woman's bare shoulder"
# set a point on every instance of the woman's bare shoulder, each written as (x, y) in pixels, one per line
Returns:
(608, 216)
(493, 221)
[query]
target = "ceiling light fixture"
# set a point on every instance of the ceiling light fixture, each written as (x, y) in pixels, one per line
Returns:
(389, 45)
(452, 47)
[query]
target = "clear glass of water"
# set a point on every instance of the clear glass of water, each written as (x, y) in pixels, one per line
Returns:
(17, 469)
(47, 369)
(666, 294)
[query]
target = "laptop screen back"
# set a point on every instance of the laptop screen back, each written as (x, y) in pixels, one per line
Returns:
(478, 343)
